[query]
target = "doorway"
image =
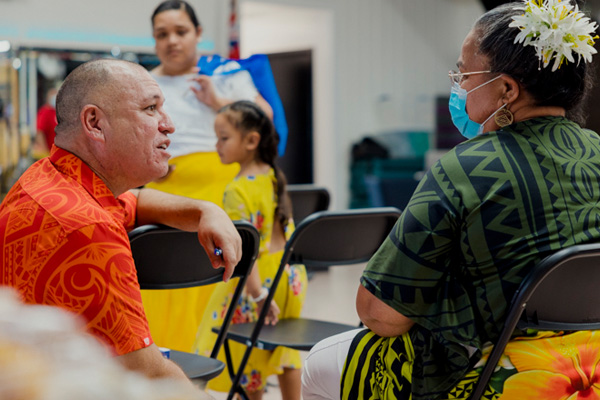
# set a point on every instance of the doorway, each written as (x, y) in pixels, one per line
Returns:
(293, 76)
(299, 42)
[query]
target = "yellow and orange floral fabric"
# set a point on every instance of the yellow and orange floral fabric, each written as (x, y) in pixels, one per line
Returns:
(542, 365)
(561, 367)
(64, 243)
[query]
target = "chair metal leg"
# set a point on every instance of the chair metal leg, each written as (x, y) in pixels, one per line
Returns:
(242, 393)
(228, 360)
(235, 383)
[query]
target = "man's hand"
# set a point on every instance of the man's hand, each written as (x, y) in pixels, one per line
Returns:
(216, 230)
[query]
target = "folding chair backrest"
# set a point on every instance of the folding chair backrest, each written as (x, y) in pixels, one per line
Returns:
(167, 258)
(307, 199)
(333, 238)
(326, 238)
(340, 237)
(560, 293)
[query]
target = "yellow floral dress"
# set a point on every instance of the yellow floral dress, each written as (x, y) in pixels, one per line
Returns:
(175, 314)
(252, 198)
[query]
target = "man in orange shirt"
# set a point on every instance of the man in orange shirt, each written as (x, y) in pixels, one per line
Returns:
(63, 225)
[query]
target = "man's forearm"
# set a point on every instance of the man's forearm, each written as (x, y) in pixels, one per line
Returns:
(156, 207)
(213, 225)
(150, 362)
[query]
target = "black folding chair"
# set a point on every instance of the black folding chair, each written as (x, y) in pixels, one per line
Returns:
(307, 199)
(167, 258)
(560, 293)
(323, 238)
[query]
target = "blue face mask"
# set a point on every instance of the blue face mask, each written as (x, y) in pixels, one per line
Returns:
(458, 110)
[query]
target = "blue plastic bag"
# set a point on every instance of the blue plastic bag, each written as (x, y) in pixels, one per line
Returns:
(260, 70)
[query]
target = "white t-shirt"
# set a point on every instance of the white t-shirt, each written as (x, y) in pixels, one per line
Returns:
(194, 121)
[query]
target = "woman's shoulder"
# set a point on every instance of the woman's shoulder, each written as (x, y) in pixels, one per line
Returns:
(519, 137)
(540, 125)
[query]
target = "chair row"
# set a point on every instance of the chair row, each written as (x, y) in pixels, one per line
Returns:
(167, 258)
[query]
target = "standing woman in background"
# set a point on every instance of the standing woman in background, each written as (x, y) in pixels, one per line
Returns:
(195, 169)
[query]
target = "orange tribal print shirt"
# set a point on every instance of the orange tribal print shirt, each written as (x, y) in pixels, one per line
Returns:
(64, 243)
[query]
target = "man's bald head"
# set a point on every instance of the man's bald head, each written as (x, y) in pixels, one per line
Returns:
(90, 83)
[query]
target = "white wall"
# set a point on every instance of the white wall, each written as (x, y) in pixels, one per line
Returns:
(378, 63)
(273, 28)
(399, 50)
(98, 25)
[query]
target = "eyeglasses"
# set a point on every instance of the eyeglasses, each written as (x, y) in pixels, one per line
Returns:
(457, 77)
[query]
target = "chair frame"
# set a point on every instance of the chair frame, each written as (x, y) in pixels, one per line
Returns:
(324, 254)
(181, 262)
(319, 195)
(535, 304)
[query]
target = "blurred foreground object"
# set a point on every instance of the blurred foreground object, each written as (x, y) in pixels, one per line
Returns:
(45, 354)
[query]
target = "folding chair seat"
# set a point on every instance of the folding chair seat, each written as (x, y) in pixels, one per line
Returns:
(560, 293)
(167, 258)
(323, 238)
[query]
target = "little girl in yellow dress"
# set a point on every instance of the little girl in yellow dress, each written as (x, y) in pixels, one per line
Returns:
(245, 135)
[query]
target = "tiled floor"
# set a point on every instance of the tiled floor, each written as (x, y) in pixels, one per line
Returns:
(330, 295)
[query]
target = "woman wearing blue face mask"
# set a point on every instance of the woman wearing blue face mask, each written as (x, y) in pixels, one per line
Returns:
(524, 185)
(458, 107)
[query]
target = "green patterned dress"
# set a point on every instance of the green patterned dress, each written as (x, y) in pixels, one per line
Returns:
(479, 220)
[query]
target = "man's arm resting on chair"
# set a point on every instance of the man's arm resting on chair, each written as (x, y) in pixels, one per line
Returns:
(150, 362)
(379, 317)
(213, 225)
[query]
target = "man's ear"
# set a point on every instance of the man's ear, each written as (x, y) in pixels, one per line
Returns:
(93, 121)
(252, 140)
(510, 88)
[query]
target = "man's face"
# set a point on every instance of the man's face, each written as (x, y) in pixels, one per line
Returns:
(136, 137)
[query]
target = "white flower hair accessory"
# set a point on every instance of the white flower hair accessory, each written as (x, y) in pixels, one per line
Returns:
(556, 29)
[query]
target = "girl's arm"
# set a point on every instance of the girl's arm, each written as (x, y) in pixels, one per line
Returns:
(256, 291)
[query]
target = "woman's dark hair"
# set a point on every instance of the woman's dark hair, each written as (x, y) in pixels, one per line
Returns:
(567, 87)
(247, 117)
(176, 5)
